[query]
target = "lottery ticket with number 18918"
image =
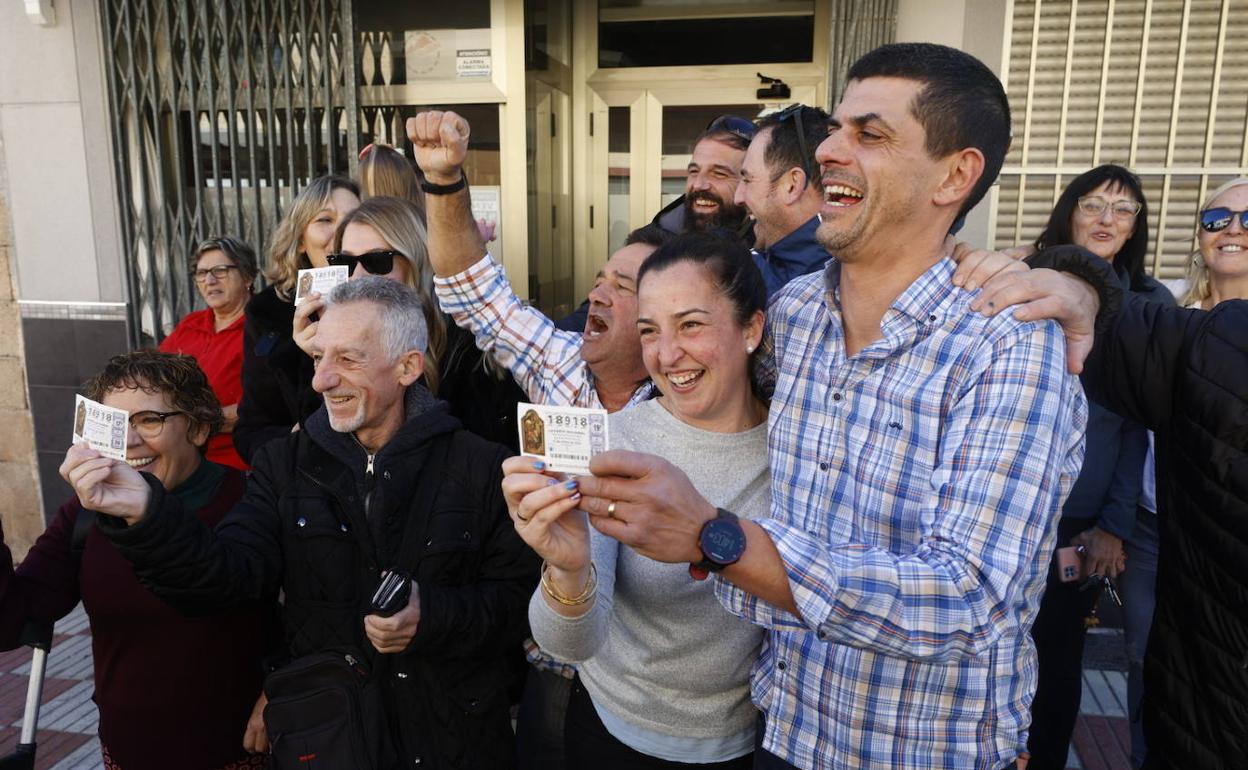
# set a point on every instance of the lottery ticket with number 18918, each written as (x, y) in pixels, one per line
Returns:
(103, 428)
(565, 437)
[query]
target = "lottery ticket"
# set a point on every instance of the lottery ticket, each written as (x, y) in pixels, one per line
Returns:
(103, 428)
(319, 279)
(565, 437)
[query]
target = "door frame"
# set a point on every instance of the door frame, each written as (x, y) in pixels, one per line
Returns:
(646, 91)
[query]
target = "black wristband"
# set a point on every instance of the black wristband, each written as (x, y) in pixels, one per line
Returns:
(444, 189)
(1097, 272)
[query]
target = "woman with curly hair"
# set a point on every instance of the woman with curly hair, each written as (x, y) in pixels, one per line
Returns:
(173, 691)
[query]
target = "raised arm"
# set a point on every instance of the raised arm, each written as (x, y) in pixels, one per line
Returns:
(440, 140)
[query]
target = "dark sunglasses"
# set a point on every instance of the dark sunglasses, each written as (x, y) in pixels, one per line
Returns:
(794, 111)
(1214, 220)
(374, 262)
(742, 128)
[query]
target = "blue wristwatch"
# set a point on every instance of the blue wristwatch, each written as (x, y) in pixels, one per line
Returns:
(722, 542)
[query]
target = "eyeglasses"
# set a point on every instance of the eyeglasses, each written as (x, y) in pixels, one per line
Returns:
(741, 128)
(216, 271)
(374, 262)
(794, 111)
(150, 424)
(1215, 220)
(1095, 205)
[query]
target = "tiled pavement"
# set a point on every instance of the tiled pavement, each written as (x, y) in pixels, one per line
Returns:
(67, 722)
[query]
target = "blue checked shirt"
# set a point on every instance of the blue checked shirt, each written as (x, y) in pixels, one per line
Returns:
(916, 488)
(544, 360)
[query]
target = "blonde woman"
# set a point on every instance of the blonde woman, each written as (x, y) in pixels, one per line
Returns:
(386, 236)
(277, 376)
(1219, 268)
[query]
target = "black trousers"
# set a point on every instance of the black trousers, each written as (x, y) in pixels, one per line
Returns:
(588, 745)
(1059, 634)
(539, 723)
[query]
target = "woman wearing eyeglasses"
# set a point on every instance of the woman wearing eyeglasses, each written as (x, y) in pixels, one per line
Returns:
(172, 690)
(386, 236)
(1105, 212)
(224, 269)
(277, 376)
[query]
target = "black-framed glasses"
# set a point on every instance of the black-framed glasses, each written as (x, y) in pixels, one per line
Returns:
(1218, 219)
(1095, 205)
(216, 271)
(149, 424)
(742, 128)
(374, 262)
(794, 111)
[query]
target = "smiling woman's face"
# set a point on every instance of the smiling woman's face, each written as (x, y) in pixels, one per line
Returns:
(1105, 234)
(1226, 251)
(172, 455)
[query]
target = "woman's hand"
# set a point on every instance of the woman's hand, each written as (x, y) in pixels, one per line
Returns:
(1103, 553)
(105, 485)
(231, 418)
(256, 738)
(543, 509)
(303, 328)
(976, 266)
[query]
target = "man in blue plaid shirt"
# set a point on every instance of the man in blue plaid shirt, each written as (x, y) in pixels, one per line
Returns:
(920, 454)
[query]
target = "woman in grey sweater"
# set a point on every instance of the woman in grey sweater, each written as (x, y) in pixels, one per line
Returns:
(663, 667)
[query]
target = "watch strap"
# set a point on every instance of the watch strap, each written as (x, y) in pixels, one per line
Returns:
(444, 189)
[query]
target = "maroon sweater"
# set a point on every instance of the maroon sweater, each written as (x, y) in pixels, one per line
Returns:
(173, 690)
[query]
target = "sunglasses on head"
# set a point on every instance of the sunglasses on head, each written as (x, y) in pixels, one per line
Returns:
(794, 112)
(373, 262)
(1215, 220)
(742, 128)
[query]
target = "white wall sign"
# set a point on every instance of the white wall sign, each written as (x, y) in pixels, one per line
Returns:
(446, 54)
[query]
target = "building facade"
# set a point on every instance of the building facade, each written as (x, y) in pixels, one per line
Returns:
(133, 128)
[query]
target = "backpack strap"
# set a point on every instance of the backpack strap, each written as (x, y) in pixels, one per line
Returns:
(83, 524)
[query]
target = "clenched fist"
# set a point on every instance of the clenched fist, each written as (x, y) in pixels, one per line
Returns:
(440, 141)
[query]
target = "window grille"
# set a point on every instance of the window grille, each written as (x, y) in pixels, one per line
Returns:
(1156, 85)
(221, 112)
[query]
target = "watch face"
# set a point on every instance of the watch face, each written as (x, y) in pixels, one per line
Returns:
(722, 541)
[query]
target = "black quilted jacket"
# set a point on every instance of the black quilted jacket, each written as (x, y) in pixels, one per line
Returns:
(302, 528)
(1184, 373)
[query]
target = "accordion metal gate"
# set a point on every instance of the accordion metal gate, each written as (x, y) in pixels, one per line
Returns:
(221, 112)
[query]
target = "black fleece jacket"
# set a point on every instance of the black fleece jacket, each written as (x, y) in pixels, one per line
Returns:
(315, 525)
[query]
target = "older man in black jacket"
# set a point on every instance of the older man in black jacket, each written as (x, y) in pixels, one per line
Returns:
(380, 478)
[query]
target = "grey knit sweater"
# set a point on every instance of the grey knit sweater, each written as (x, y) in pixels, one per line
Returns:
(657, 650)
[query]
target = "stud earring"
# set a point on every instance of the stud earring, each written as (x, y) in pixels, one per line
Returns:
(749, 348)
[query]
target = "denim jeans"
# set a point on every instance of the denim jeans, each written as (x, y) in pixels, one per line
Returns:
(1139, 587)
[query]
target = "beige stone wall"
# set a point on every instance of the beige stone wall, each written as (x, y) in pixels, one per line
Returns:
(20, 508)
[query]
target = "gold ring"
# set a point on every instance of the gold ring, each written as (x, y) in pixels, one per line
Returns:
(611, 510)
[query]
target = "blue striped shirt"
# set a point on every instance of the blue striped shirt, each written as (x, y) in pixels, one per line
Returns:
(916, 488)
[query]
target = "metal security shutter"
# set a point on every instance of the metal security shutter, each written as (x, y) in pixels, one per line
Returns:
(1159, 86)
(221, 112)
